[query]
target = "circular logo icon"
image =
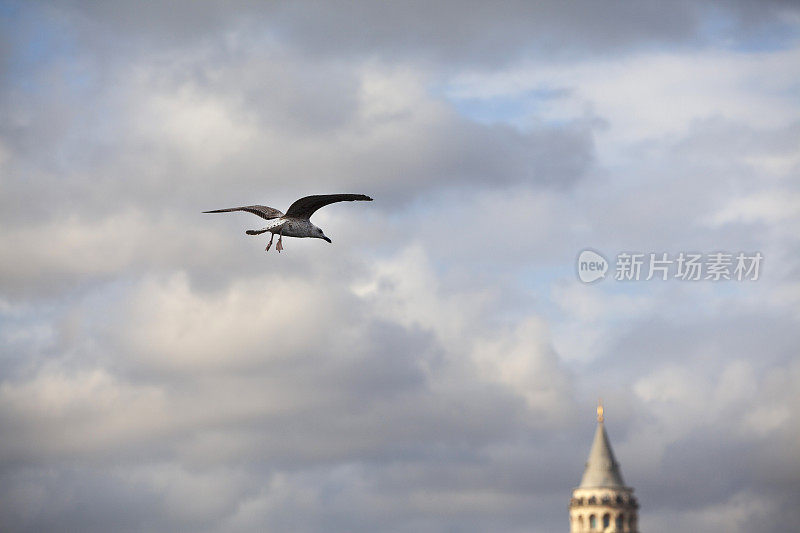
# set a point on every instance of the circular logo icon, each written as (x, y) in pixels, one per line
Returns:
(591, 266)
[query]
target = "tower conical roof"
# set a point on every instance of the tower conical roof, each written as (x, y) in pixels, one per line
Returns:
(602, 470)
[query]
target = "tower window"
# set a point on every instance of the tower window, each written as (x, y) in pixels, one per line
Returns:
(606, 520)
(620, 522)
(592, 521)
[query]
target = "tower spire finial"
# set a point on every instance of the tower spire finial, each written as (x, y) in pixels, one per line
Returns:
(599, 409)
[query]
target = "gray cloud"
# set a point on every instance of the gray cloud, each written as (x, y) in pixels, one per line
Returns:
(208, 380)
(445, 31)
(435, 368)
(102, 170)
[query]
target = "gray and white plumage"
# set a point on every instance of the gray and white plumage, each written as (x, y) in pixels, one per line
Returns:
(295, 222)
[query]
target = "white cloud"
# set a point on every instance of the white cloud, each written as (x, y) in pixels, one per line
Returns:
(61, 413)
(524, 360)
(199, 125)
(169, 325)
(652, 95)
(766, 206)
(425, 372)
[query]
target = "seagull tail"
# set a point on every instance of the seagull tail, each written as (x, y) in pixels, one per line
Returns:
(256, 231)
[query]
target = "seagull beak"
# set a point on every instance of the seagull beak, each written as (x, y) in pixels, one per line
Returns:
(327, 239)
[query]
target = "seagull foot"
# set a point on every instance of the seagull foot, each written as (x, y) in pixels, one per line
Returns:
(269, 243)
(279, 246)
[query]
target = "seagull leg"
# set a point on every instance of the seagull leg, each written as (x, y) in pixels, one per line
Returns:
(279, 246)
(272, 236)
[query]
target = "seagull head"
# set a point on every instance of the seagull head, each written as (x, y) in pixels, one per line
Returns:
(318, 234)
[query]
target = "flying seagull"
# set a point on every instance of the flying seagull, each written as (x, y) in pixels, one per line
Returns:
(295, 222)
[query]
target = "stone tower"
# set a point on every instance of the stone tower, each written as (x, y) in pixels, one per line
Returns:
(602, 502)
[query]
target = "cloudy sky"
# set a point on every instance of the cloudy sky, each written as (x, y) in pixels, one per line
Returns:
(436, 368)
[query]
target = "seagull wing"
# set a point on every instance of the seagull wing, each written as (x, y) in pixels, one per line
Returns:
(263, 211)
(305, 207)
